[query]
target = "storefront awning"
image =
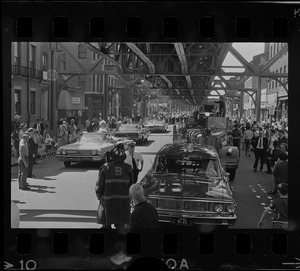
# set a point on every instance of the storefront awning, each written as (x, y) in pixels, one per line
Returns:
(282, 98)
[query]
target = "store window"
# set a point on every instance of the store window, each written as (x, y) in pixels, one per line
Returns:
(17, 101)
(32, 102)
(44, 62)
(32, 56)
(81, 81)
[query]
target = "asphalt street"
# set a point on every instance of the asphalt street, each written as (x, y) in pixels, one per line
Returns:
(62, 197)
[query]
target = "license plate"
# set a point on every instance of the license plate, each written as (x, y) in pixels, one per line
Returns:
(97, 158)
(182, 221)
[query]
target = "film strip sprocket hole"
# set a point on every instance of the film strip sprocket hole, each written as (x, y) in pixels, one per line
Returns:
(169, 244)
(134, 25)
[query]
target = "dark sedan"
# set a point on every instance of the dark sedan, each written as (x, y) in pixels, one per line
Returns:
(187, 186)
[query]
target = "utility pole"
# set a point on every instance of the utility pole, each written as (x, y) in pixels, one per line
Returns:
(28, 85)
(53, 103)
(258, 99)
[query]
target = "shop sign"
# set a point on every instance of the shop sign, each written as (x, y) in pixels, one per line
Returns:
(111, 69)
(272, 111)
(75, 100)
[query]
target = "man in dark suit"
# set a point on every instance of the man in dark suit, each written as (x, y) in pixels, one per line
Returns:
(282, 138)
(260, 145)
(31, 152)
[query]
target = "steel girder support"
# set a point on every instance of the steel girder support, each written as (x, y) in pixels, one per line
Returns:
(272, 61)
(241, 59)
(145, 59)
(167, 81)
(69, 52)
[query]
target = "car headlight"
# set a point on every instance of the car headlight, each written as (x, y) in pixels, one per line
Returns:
(219, 208)
(63, 152)
(58, 152)
(94, 152)
(231, 208)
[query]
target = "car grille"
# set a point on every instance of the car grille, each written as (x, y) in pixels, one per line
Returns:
(79, 153)
(185, 205)
(127, 135)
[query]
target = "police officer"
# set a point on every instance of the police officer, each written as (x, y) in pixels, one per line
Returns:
(112, 190)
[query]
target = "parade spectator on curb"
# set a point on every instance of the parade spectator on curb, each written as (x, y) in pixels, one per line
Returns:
(248, 135)
(236, 137)
(23, 128)
(272, 137)
(144, 215)
(280, 172)
(284, 148)
(72, 129)
(39, 127)
(32, 145)
(275, 153)
(62, 138)
(15, 128)
(112, 190)
(280, 206)
(281, 137)
(23, 163)
(243, 129)
(135, 160)
(49, 144)
(260, 145)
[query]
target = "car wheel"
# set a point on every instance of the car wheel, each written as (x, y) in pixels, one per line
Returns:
(232, 173)
(67, 163)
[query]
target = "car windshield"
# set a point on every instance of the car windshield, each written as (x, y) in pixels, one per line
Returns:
(204, 167)
(130, 127)
(94, 138)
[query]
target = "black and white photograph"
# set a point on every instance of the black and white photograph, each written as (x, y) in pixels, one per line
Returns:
(149, 135)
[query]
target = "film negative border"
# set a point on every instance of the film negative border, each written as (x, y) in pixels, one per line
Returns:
(164, 22)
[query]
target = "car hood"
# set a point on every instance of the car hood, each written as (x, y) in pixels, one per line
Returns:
(87, 146)
(187, 185)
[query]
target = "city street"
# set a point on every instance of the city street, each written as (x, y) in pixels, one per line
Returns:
(62, 197)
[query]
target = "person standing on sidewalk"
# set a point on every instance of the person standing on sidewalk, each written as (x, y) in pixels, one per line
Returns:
(135, 160)
(31, 152)
(23, 163)
(236, 137)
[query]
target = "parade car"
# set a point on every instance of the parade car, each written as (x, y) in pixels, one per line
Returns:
(89, 147)
(133, 131)
(157, 126)
(187, 185)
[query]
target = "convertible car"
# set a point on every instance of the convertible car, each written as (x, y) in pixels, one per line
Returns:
(134, 132)
(90, 147)
(157, 126)
(188, 186)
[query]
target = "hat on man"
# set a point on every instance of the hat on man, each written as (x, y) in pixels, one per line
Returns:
(30, 130)
(26, 134)
(132, 144)
(22, 125)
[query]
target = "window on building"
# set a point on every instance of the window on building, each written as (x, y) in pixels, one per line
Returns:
(99, 83)
(44, 62)
(279, 46)
(32, 56)
(18, 101)
(16, 53)
(274, 48)
(81, 52)
(32, 102)
(270, 52)
(81, 81)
